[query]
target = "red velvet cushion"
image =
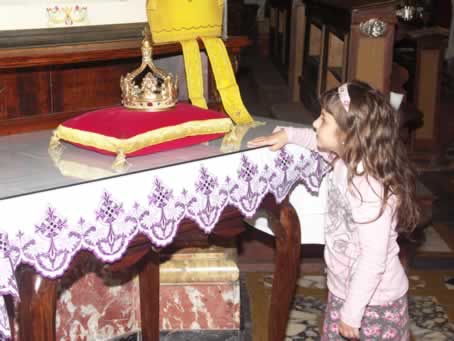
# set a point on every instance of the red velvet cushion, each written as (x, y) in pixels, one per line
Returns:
(121, 123)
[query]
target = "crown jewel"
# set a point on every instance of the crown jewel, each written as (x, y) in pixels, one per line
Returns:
(157, 90)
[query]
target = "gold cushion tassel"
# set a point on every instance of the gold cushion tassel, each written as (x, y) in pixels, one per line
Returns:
(194, 75)
(120, 163)
(226, 81)
(55, 147)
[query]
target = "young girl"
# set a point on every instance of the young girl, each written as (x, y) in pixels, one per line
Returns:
(371, 194)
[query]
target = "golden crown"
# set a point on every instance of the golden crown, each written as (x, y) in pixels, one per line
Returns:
(157, 89)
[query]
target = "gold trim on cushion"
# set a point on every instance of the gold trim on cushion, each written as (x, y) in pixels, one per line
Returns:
(150, 138)
(226, 81)
(232, 141)
(193, 67)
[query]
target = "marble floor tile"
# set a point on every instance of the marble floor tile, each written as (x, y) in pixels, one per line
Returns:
(429, 320)
(213, 335)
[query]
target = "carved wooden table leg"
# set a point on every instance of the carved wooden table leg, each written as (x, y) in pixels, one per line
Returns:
(37, 307)
(11, 315)
(288, 246)
(149, 297)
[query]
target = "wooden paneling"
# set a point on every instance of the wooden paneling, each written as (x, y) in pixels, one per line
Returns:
(427, 100)
(372, 56)
(26, 91)
(331, 81)
(315, 39)
(336, 48)
(296, 50)
(3, 112)
(41, 86)
(424, 60)
(89, 86)
(336, 51)
(280, 32)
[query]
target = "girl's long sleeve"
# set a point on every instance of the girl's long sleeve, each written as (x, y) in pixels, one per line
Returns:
(377, 273)
(371, 264)
(304, 137)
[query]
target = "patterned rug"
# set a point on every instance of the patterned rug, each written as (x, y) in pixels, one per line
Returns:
(437, 250)
(429, 318)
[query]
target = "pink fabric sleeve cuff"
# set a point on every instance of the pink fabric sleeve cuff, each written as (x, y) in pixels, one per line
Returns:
(304, 137)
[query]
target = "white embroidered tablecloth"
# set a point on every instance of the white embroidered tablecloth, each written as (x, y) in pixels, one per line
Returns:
(45, 229)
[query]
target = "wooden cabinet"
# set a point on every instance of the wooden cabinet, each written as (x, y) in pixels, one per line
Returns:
(279, 34)
(421, 52)
(346, 40)
(48, 76)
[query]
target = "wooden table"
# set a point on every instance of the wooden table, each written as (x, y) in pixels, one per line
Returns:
(38, 294)
(242, 180)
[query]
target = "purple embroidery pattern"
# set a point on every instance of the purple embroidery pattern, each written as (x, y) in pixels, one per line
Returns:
(52, 247)
(4, 245)
(282, 181)
(109, 233)
(50, 228)
(4, 323)
(251, 187)
(312, 172)
(107, 229)
(8, 284)
(159, 221)
(208, 200)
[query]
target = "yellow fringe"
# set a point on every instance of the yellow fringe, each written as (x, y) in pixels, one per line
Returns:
(232, 141)
(120, 164)
(55, 147)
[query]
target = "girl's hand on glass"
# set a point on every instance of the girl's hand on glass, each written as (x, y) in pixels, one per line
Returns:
(276, 140)
(347, 331)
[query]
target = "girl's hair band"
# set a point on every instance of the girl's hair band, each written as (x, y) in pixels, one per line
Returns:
(344, 96)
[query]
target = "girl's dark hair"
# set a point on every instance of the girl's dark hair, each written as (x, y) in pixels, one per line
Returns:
(371, 130)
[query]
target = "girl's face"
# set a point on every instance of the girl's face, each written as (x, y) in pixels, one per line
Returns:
(328, 133)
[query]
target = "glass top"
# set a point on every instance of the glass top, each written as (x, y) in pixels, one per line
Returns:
(26, 167)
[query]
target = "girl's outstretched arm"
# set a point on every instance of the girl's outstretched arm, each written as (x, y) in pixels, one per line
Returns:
(282, 135)
(276, 140)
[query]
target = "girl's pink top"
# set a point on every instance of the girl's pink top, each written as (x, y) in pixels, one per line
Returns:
(361, 251)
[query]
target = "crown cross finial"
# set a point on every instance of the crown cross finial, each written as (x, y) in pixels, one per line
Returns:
(146, 51)
(157, 90)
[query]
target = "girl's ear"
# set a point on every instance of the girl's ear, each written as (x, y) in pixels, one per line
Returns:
(341, 135)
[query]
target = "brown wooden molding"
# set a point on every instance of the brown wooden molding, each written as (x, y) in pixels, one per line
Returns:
(69, 35)
(3, 111)
(32, 123)
(22, 57)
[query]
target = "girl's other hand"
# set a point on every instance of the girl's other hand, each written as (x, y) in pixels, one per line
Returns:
(348, 331)
(276, 140)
